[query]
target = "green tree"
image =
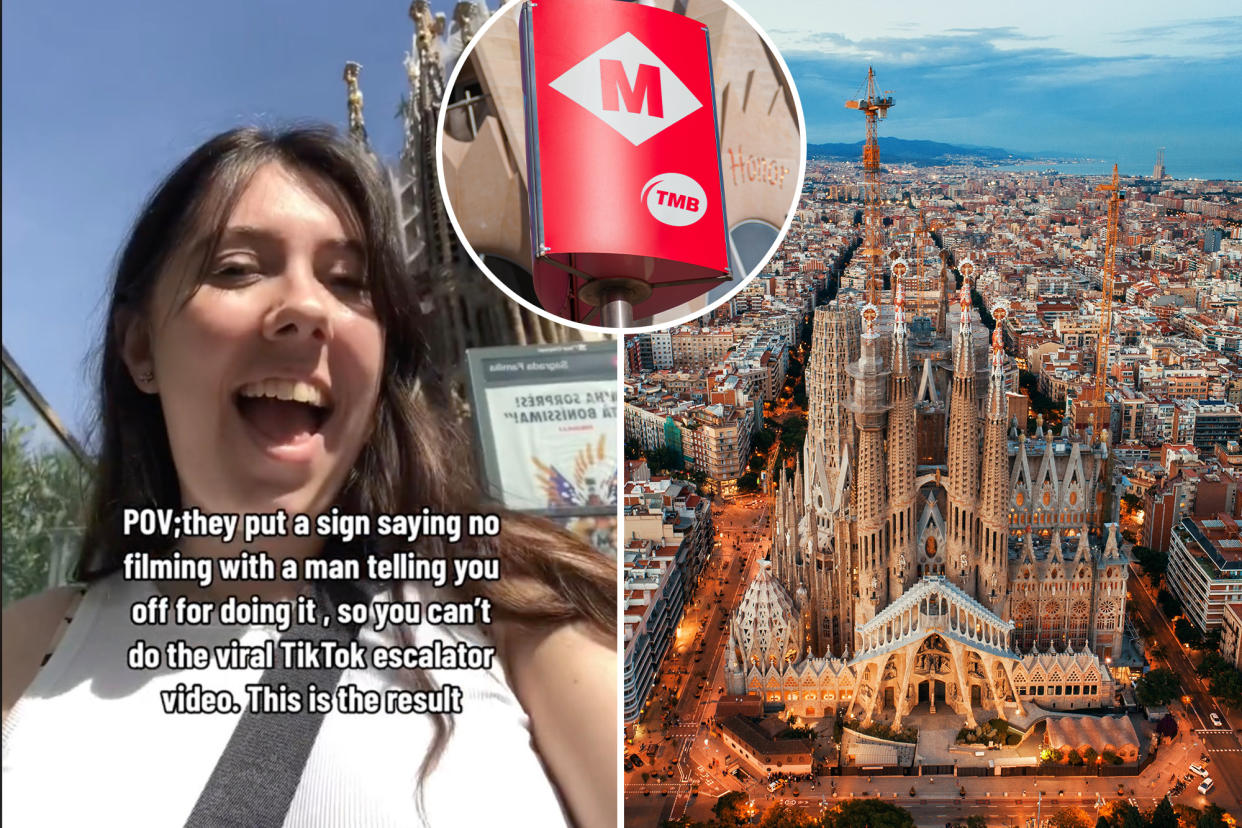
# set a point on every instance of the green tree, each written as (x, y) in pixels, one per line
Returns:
(1226, 685)
(783, 816)
(1169, 604)
(1213, 817)
(44, 499)
(1154, 562)
(1159, 687)
(799, 395)
(1132, 817)
(1070, 818)
(662, 459)
(730, 808)
(1163, 816)
(868, 813)
(763, 439)
(1187, 632)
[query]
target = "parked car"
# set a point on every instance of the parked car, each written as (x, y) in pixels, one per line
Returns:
(1199, 769)
(1207, 786)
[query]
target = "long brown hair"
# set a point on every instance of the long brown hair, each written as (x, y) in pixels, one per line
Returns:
(416, 457)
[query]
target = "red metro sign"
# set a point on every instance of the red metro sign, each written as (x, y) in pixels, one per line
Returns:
(622, 157)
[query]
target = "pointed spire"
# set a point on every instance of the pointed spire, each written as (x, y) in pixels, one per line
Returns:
(870, 314)
(1110, 547)
(1084, 548)
(901, 348)
(357, 128)
(998, 405)
(964, 356)
(942, 318)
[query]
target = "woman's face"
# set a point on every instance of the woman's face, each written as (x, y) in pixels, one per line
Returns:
(268, 373)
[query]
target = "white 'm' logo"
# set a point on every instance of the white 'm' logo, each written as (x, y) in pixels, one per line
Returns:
(627, 87)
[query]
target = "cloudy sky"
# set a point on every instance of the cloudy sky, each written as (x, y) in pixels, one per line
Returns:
(1107, 80)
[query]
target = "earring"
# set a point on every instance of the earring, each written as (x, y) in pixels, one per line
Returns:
(146, 376)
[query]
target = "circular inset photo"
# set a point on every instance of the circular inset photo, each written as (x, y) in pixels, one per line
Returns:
(621, 165)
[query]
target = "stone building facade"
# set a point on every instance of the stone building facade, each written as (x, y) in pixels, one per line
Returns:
(928, 550)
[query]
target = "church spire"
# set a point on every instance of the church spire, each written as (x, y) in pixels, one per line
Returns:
(901, 348)
(963, 450)
(869, 405)
(942, 317)
(964, 353)
(994, 506)
(357, 128)
(997, 404)
(902, 451)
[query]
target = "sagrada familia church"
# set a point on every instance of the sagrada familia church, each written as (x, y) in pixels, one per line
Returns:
(928, 549)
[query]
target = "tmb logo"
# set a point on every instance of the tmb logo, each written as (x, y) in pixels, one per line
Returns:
(674, 199)
(627, 87)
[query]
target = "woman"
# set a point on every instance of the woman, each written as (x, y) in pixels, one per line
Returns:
(263, 354)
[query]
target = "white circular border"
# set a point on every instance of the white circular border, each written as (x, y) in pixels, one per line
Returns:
(619, 332)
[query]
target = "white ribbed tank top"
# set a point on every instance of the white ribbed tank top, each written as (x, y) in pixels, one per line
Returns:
(90, 744)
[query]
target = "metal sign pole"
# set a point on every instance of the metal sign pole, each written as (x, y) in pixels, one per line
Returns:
(617, 312)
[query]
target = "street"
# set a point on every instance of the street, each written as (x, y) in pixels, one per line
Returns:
(691, 675)
(1221, 744)
(685, 762)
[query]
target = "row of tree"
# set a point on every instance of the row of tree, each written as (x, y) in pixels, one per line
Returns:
(1120, 814)
(45, 491)
(732, 811)
(1224, 679)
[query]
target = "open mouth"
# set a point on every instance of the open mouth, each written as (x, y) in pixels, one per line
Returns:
(285, 412)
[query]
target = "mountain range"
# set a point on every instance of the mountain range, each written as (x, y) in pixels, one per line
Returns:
(920, 152)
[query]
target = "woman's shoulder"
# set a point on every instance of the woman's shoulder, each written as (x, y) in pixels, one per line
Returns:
(565, 676)
(31, 627)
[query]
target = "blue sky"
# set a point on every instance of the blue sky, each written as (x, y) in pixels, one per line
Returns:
(1107, 80)
(100, 100)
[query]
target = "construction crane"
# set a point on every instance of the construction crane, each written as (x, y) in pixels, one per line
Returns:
(1098, 408)
(873, 106)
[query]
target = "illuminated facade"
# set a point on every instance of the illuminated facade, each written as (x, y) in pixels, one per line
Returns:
(930, 551)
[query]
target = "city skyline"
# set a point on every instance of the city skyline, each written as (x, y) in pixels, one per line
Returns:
(966, 450)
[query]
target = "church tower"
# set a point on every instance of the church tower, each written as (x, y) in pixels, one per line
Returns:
(834, 346)
(869, 405)
(994, 500)
(902, 456)
(460, 307)
(963, 455)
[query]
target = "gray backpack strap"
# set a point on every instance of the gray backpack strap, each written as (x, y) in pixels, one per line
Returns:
(253, 783)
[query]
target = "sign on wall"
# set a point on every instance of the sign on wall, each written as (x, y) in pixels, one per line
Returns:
(546, 417)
